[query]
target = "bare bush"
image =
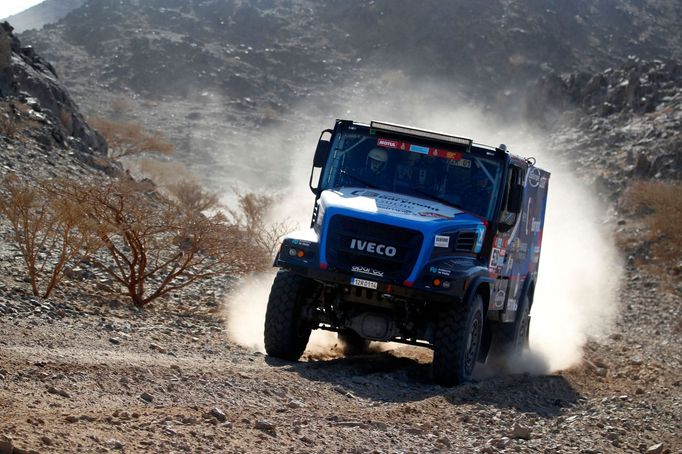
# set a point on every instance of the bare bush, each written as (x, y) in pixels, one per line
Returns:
(192, 197)
(165, 173)
(120, 106)
(50, 231)
(251, 217)
(66, 119)
(130, 139)
(150, 245)
(9, 125)
(157, 246)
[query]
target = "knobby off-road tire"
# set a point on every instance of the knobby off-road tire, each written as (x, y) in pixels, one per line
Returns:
(457, 341)
(352, 343)
(511, 339)
(286, 332)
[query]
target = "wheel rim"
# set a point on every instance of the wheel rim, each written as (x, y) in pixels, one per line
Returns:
(472, 345)
(523, 334)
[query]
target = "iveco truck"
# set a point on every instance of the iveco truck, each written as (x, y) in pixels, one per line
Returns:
(418, 237)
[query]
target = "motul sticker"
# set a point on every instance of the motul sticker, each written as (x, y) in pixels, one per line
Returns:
(392, 144)
(442, 241)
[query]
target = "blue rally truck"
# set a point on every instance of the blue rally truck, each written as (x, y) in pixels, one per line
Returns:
(417, 237)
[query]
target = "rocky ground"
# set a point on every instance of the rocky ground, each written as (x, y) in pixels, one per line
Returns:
(82, 372)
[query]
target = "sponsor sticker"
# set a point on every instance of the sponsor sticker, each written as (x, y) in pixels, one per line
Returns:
(535, 226)
(499, 299)
(454, 157)
(494, 258)
(461, 163)
(303, 243)
(392, 144)
(534, 177)
(363, 283)
(440, 271)
(419, 149)
(442, 241)
(366, 270)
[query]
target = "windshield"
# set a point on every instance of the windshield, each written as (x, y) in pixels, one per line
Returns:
(463, 180)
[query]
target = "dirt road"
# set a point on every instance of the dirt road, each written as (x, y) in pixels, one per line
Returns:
(82, 373)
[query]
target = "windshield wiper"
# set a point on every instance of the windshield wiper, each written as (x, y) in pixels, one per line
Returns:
(360, 180)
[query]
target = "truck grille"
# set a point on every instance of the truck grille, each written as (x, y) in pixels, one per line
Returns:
(384, 248)
(466, 241)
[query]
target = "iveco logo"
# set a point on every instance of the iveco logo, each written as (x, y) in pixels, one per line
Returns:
(374, 248)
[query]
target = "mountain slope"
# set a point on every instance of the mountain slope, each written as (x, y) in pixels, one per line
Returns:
(166, 47)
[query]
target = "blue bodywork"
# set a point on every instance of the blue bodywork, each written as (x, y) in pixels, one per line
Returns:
(438, 236)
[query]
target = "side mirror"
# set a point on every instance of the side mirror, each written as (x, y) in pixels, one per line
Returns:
(324, 146)
(322, 153)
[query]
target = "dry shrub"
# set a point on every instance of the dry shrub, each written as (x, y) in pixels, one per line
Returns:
(120, 106)
(251, 218)
(66, 119)
(130, 139)
(149, 244)
(192, 197)
(163, 173)
(661, 205)
(9, 126)
(157, 245)
(50, 231)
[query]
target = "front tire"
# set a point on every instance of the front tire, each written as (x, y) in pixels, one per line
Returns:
(286, 331)
(457, 342)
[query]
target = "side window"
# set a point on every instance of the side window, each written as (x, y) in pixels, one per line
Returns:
(513, 195)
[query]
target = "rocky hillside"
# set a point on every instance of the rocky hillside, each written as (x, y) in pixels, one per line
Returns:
(34, 100)
(211, 73)
(160, 47)
(616, 125)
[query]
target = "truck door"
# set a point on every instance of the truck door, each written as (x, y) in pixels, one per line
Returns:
(507, 251)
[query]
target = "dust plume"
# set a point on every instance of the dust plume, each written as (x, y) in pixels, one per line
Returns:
(245, 313)
(576, 294)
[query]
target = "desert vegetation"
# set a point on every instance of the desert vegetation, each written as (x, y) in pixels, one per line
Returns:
(49, 230)
(147, 243)
(130, 139)
(658, 206)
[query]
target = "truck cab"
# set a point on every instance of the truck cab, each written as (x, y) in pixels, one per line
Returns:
(417, 237)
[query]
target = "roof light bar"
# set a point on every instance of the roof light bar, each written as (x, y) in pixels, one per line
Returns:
(394, 128)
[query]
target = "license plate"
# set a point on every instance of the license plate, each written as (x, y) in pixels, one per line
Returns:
(363, 283)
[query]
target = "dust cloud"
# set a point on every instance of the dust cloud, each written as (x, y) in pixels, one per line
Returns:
(576, 294)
